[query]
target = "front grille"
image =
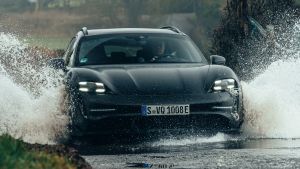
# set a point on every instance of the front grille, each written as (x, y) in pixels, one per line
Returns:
(161, 122)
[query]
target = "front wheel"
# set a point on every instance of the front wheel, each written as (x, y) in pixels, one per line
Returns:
(75, 109)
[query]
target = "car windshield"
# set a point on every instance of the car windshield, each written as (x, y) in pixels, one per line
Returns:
(137, 49)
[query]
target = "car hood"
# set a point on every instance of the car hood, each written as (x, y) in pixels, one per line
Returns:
(152, 79)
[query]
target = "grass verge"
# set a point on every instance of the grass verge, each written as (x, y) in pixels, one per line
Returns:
(15, 154)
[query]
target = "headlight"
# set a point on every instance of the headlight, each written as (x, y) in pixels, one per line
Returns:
(225, 84)
(91, 87)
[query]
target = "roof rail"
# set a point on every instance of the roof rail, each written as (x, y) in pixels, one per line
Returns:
(84, 30)
(172, 28)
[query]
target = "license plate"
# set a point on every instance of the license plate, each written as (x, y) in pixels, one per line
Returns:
(165, 110)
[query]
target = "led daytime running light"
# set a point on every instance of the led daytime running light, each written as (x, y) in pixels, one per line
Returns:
(91, 87)
(224, 84)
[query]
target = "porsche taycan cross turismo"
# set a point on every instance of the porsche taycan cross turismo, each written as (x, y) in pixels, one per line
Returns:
(136, 80)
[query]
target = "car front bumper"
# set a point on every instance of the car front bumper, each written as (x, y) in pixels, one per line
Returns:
(107, 112)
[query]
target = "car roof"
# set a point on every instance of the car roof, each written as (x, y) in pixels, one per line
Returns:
(92, 32)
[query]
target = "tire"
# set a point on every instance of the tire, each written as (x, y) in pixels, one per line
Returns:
(75, 110)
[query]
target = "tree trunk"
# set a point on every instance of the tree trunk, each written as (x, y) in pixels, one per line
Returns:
(243, 16)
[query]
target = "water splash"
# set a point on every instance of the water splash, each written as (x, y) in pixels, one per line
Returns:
(272, 102)
(271, 99)
(272, 106)
(220, 137)
(30, 95)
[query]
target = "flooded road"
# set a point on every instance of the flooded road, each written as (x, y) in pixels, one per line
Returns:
(219, 151)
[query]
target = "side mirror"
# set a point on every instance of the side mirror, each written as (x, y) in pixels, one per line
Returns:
(56, 63)
(217, 60)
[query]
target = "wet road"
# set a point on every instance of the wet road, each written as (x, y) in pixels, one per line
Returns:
(220, 151)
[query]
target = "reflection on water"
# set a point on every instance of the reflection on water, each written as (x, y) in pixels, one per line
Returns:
(234, 153)
(188, 144)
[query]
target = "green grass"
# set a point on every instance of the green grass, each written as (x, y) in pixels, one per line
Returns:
(14, 155)
(48, 42)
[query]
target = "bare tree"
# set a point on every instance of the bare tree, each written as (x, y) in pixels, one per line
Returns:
(235, 27)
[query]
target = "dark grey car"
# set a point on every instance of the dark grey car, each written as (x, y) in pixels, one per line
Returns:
(135, 80)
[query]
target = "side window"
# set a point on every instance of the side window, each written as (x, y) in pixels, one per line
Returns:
(69, 51)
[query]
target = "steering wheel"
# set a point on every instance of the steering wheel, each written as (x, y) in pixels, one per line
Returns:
(162, 57)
